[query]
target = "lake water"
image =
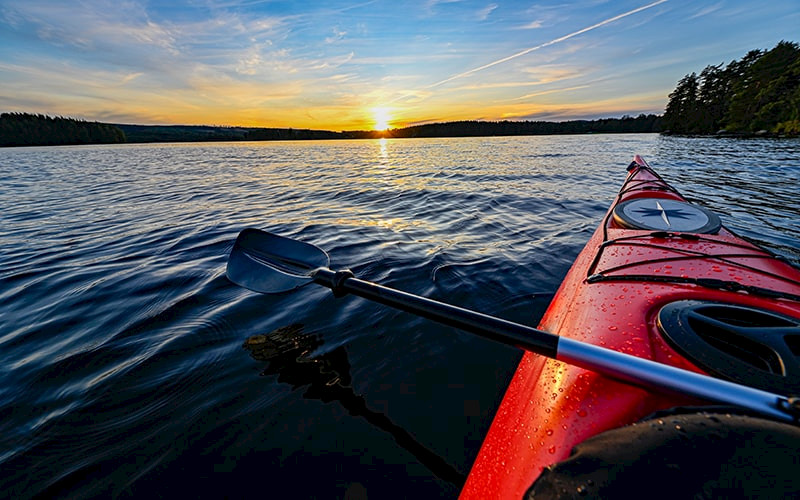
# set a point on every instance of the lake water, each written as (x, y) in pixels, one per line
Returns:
(126, 367)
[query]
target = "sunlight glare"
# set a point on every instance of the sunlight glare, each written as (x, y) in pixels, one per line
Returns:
(382, 118)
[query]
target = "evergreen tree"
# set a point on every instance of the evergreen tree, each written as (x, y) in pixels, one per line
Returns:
(713, 98)
(682, 106)
(759, 92)
(23, 129)
(762, 95)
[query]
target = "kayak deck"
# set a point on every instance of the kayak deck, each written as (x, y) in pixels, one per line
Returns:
(612, 297)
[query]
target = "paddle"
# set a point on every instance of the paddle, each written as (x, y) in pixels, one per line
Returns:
(268, 263)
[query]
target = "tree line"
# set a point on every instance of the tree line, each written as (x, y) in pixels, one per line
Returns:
(759, 93)
(475, 128)
(24, 129)
(207, 133)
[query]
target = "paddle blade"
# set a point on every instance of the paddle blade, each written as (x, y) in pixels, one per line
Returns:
(268, 263)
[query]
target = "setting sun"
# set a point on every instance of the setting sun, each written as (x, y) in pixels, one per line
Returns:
(382, 118)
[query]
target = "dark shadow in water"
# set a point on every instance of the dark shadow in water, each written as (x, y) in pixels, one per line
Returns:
(288, 350)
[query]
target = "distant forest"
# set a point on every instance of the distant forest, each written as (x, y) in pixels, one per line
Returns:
(759, 93)
(23, 129)
(144, 133)
(626, 124)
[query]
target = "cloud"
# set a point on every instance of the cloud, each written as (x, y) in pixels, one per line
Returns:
(551, 42)
(430, 5)
(123, 39)
(130, 77)
(433, 3)
(551, 91)
(483, 14)
(103, 58)
(91, 24)
(707, 10)
(334, 62)
(250, 64)
(552, 73)
(337, 35)
(630, 105)
(125, 34)
(531, 25)
(541, 75)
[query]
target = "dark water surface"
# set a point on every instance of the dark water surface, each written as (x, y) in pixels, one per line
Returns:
(132, 366)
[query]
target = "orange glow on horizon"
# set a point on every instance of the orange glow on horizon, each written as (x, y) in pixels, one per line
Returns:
(170, 109)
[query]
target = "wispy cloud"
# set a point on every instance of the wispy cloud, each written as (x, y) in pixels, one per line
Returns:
(433, 3)
(124, 32)
(130, 77)
(338, 34)
(334, 62)
(707, 10)
(540, 75)
(430, 6)
(484, 13)
(565, 110)
(91, 25)
(531, 25)
(547, 44)
(551, 91)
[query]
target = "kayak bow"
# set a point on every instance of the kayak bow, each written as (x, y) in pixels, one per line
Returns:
(660, 279)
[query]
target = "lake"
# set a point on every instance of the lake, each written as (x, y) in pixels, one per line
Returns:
(131, 366)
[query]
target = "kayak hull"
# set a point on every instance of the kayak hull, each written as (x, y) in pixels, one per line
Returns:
(611, 297)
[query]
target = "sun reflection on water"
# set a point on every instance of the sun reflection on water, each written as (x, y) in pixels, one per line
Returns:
(384, 153)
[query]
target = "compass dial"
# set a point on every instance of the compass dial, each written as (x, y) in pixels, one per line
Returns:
(658, 214)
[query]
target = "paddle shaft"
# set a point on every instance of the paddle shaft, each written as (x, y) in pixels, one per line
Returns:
(484, 325)
(626, 368)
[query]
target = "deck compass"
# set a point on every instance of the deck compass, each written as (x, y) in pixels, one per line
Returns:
(659, 214)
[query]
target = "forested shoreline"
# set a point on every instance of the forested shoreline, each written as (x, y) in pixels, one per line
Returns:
(626, 124)
(757, 94)
(23, 129)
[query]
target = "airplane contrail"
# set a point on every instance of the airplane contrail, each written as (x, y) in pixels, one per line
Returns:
(546, 44)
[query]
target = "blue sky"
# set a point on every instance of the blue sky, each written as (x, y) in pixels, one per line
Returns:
(341, 65)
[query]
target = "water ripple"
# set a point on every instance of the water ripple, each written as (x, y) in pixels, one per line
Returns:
(123, 368)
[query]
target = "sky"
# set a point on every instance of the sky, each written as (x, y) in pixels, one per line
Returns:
(359, 65)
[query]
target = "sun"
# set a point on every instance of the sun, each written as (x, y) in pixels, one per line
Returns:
(381, 116)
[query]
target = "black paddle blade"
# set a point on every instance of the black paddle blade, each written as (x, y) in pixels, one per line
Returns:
(268, 263)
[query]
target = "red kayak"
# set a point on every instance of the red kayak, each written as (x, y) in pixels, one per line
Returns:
(660, 279)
